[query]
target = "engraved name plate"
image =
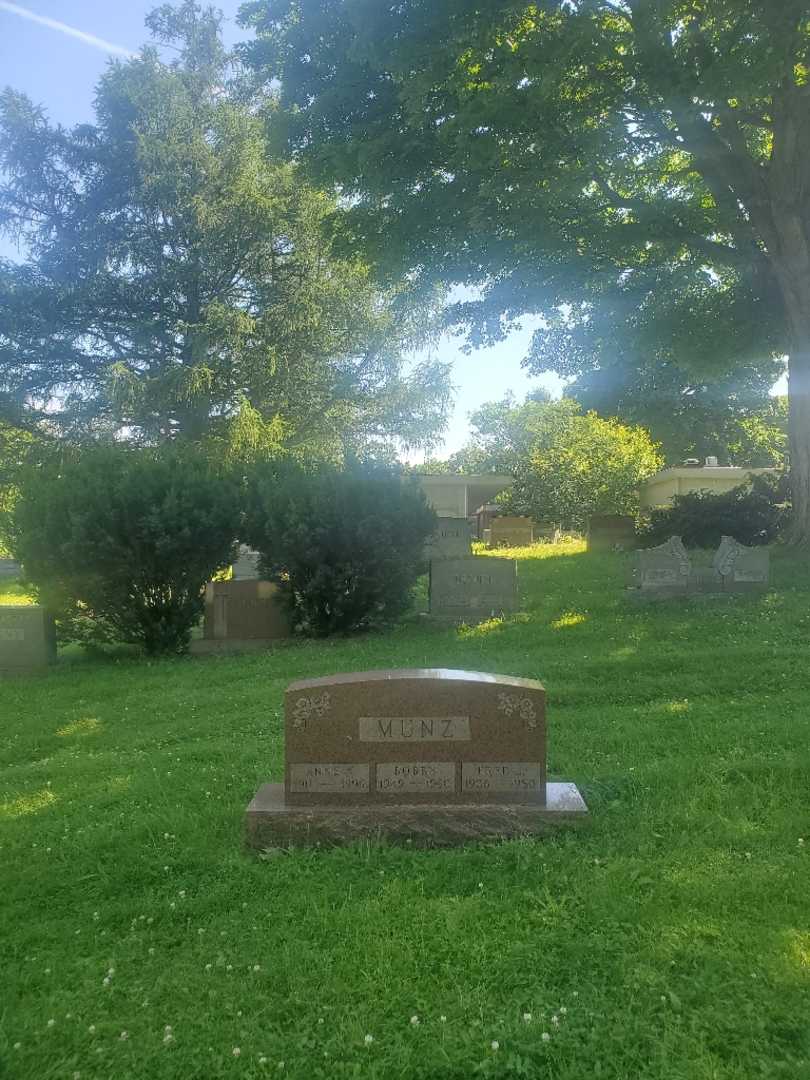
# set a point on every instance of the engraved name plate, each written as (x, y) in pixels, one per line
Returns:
(500, 777)
(414, 728)
(415, 776)
(334, 779)
(11, 634)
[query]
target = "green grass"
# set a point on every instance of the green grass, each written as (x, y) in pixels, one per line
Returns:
(674, 930)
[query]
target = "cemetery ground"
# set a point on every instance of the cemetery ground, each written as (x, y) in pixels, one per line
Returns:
(668, 939)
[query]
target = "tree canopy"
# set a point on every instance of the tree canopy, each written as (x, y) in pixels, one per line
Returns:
(182, 282)
(637, 171)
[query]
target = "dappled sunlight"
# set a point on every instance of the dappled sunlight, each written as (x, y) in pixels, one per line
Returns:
(482, 629)
(28, 804)
(676, 706)
(569, 618)
(626, 652)
(536, 551)
(119, 783)
(798, 948)
(89, 725)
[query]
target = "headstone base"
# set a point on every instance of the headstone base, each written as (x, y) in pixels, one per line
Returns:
(270, 823)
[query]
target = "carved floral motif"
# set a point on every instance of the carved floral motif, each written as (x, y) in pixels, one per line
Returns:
(511, 704)
(310, 708)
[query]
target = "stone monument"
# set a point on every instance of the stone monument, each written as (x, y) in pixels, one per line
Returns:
(241, 616)
(511, 531)
(431, 755)
(246, 567)
(451, 540)
(664, 569)
(667, 570)
(472, 589)
(740, 568)
(27, 638)
(611, 532)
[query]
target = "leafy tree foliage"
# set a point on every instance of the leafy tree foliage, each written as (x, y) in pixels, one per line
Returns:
(182, 283)
(344, 546)
(635, 170)
(567, 464)
(121, 541)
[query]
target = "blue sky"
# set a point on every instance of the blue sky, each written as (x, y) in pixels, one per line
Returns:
(58, 68)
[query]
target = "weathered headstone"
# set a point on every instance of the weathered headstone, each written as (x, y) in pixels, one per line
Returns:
(611, 532)
(241, 616)
(664, 569)
(9, 568)
(27, 638)
(451, 540)
(246, 567)
(472, 589)
(430, 755)
(511, 531)
(740, 568)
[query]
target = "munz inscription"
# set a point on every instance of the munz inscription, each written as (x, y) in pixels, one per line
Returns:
(432, 754)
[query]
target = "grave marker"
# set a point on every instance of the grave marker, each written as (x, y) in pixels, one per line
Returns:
(451, 540)
(511, 531)
(241, 616)
(472, 589)
(611, 532)
(27, 638)
(433, 755)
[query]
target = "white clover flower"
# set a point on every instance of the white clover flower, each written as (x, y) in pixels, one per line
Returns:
(168, 1038)
(563, 1010)
(229, 967)
(495, 1044)
(105, 981)
(111, 972)
(256, 967)
(47, 971)
(575, 993)
(320, 1019)
(545, 1036)
(280, 1065)
(18, 1046)
(555, 1019)
(262, 1060)
(443, 1019)
(124, 1036)
(415, 1020)
(96, 916)
(801, 841)
(236, 1051)
(368, 1040)
(168, 1028)
(92, 1029)
(151, 950)
(208, 967)
(182, 894)
(527, 1018)
(51, 1022)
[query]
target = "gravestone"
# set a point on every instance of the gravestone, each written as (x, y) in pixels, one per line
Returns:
(451, 540)
(9, 568)
(246, 567)
(664, 569)
(740, 568)
(472, 589)
(241, 616)
(611, 532)
(27, 638)
(427, 754)
(511, 531)
(546, 531)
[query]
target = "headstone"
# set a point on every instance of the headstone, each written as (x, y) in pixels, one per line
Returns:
(430, 755)
(27, 638)
(546, 531)
(472, 589)
(611, 532)
(511, 531)
(740, 568)
(665, 568)
(9, 568)
(241, 616)
(246, 567)
(451, 540)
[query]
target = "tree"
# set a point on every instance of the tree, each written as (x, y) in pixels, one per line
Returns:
(638, 171)
(182, 283)
(567, 464)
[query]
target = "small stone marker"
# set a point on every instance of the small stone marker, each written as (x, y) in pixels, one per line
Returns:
(27, 638)
(451, 540)
(9, 568)
(241, 616)
(427, 754)
(472, 589)
(740, 568)
(511, 531)
(665, 568)
(611, 532)
(246, 567)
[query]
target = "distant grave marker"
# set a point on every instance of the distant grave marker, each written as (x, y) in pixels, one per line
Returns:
(451, 540)
(511, 531)
(27, 638)
(611, 532)
(434, 755)
(472, 589)
(241, 616)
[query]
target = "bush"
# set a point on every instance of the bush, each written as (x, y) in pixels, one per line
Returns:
(344, 547)
(753, 513)
(120, 542)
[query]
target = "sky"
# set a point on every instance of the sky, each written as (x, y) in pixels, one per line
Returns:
(55, 51)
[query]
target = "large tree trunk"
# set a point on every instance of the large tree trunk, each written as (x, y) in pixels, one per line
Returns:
(796, 294)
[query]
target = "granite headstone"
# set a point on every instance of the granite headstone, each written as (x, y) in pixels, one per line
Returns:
(472, 589)
(27, 638)
(510, 530)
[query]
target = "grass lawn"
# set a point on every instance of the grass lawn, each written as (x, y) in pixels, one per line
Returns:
(670, 939)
